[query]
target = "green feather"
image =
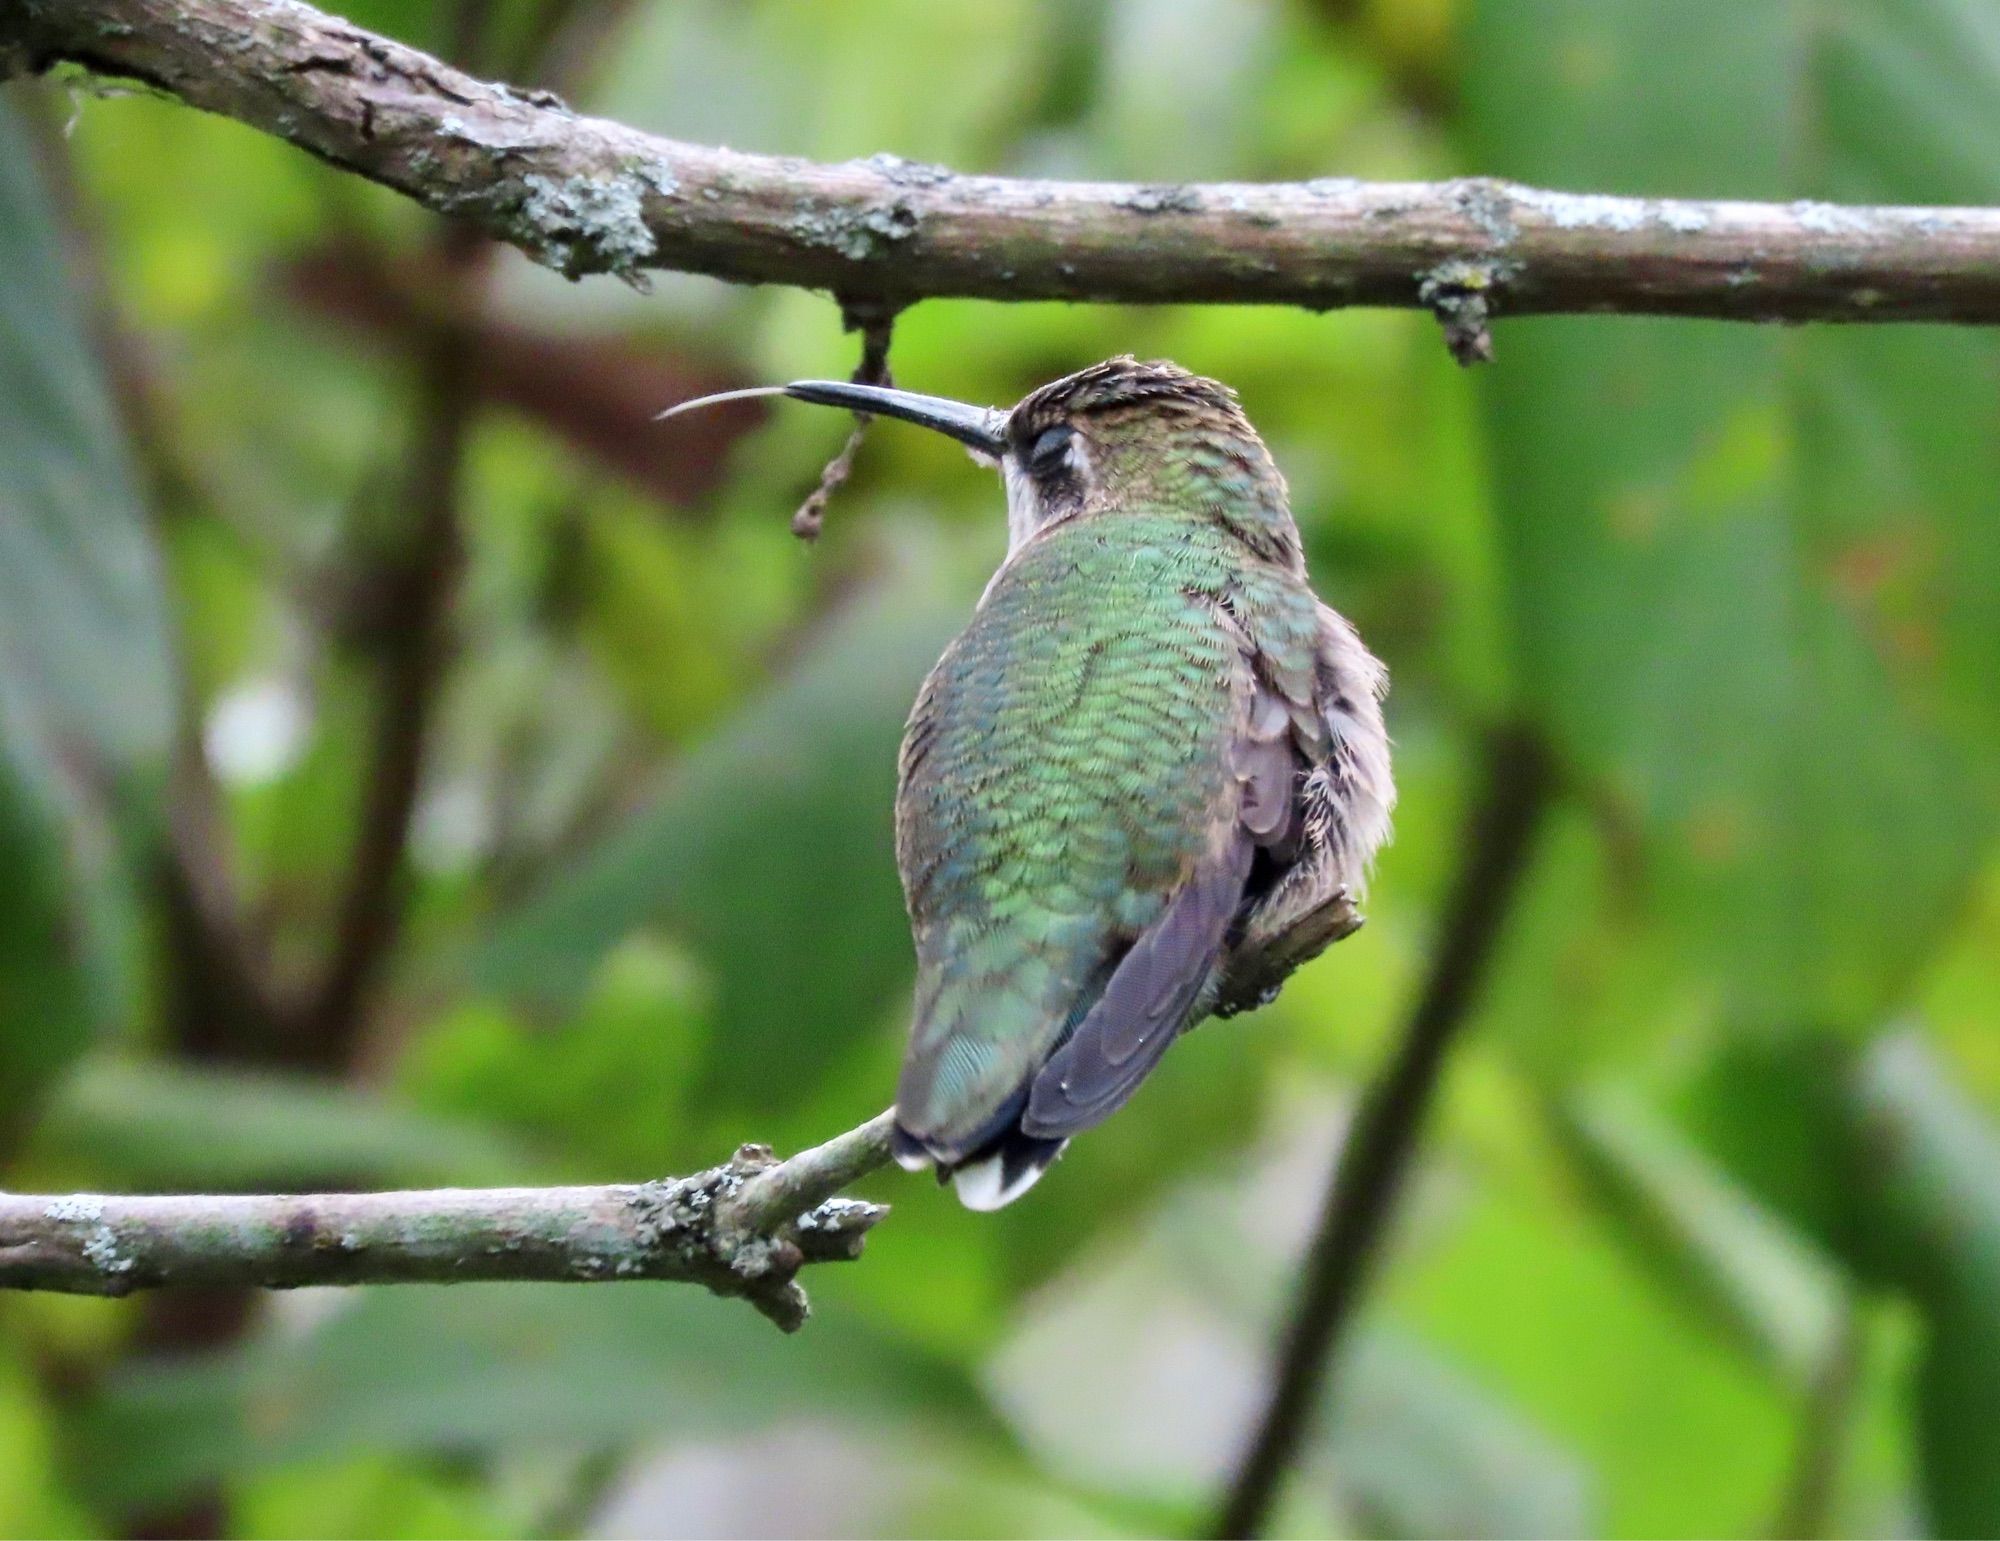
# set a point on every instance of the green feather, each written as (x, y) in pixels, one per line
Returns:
(1066, 767)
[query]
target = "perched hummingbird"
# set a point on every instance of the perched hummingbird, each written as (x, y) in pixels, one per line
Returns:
(1142, 786)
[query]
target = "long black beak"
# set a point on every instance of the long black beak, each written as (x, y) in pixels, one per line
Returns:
(979, 428)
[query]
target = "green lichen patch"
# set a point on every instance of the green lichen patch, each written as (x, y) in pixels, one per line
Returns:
(586, 224)
(858, 233)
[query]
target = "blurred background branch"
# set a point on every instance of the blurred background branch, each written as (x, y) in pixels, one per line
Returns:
(399, 615)
(588, 196)
(1510, 807)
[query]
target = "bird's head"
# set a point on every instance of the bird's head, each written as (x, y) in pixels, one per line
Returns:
(1121, 435)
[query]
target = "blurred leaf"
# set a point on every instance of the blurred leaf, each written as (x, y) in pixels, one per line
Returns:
(160, 1127)
(31, 1497)
(1927, 1168)
(503, 1368)
(1419, 1449)
(609, 1090)
(827, 1476)
(1526, 1295)
(1736, 1264)
(1175, 76)
(664, 76)
(375, 1495)
(1741, 561)
(1956, 1000)
(85, 684)
(1589, 979)
(81, 619)
(1137, 1370)
(1768, 1109)
(1084, 1380)
(52, 933)
(1887, 1162)
(771, 849)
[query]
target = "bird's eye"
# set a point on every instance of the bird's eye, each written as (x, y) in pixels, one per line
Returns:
(1050, 447)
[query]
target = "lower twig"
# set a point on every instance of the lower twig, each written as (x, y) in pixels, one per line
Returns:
(744, 1228)
(1368, 1175)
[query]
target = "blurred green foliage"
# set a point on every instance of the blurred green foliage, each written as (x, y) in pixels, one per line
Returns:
(1707, 1236)
(85, 681)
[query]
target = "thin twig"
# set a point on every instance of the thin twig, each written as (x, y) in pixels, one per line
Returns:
(744, 1228)
(1368, 1176)
(589, 196)
(812, 1177)
(876, 324)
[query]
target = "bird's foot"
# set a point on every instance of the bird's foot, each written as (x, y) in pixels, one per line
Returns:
(1257, 974)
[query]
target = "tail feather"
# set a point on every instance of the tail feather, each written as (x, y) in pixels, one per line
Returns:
(992, 1176)
(1157, 988)
(908, 1150)
(1007, 1171)
(1114, 1035)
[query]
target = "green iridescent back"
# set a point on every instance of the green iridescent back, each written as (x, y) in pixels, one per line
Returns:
(1065, 767)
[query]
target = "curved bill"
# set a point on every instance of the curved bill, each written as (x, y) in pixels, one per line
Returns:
(979, 428)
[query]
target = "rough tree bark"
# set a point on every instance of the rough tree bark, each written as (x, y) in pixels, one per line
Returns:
(744, 1228)
(588, 196)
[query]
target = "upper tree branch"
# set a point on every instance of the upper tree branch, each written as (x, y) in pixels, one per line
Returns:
(744, 1228)
(590, 196)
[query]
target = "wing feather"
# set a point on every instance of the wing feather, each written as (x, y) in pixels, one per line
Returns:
(1149, 1000)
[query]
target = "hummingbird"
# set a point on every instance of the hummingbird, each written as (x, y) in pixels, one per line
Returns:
(1142, 787)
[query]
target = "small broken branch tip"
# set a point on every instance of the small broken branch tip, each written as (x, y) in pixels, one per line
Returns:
(1460, 294)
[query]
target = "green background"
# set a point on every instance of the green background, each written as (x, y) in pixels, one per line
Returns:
(1705, 1238)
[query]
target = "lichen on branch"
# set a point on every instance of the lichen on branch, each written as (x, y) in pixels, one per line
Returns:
(589, 196)
(744, 1228)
